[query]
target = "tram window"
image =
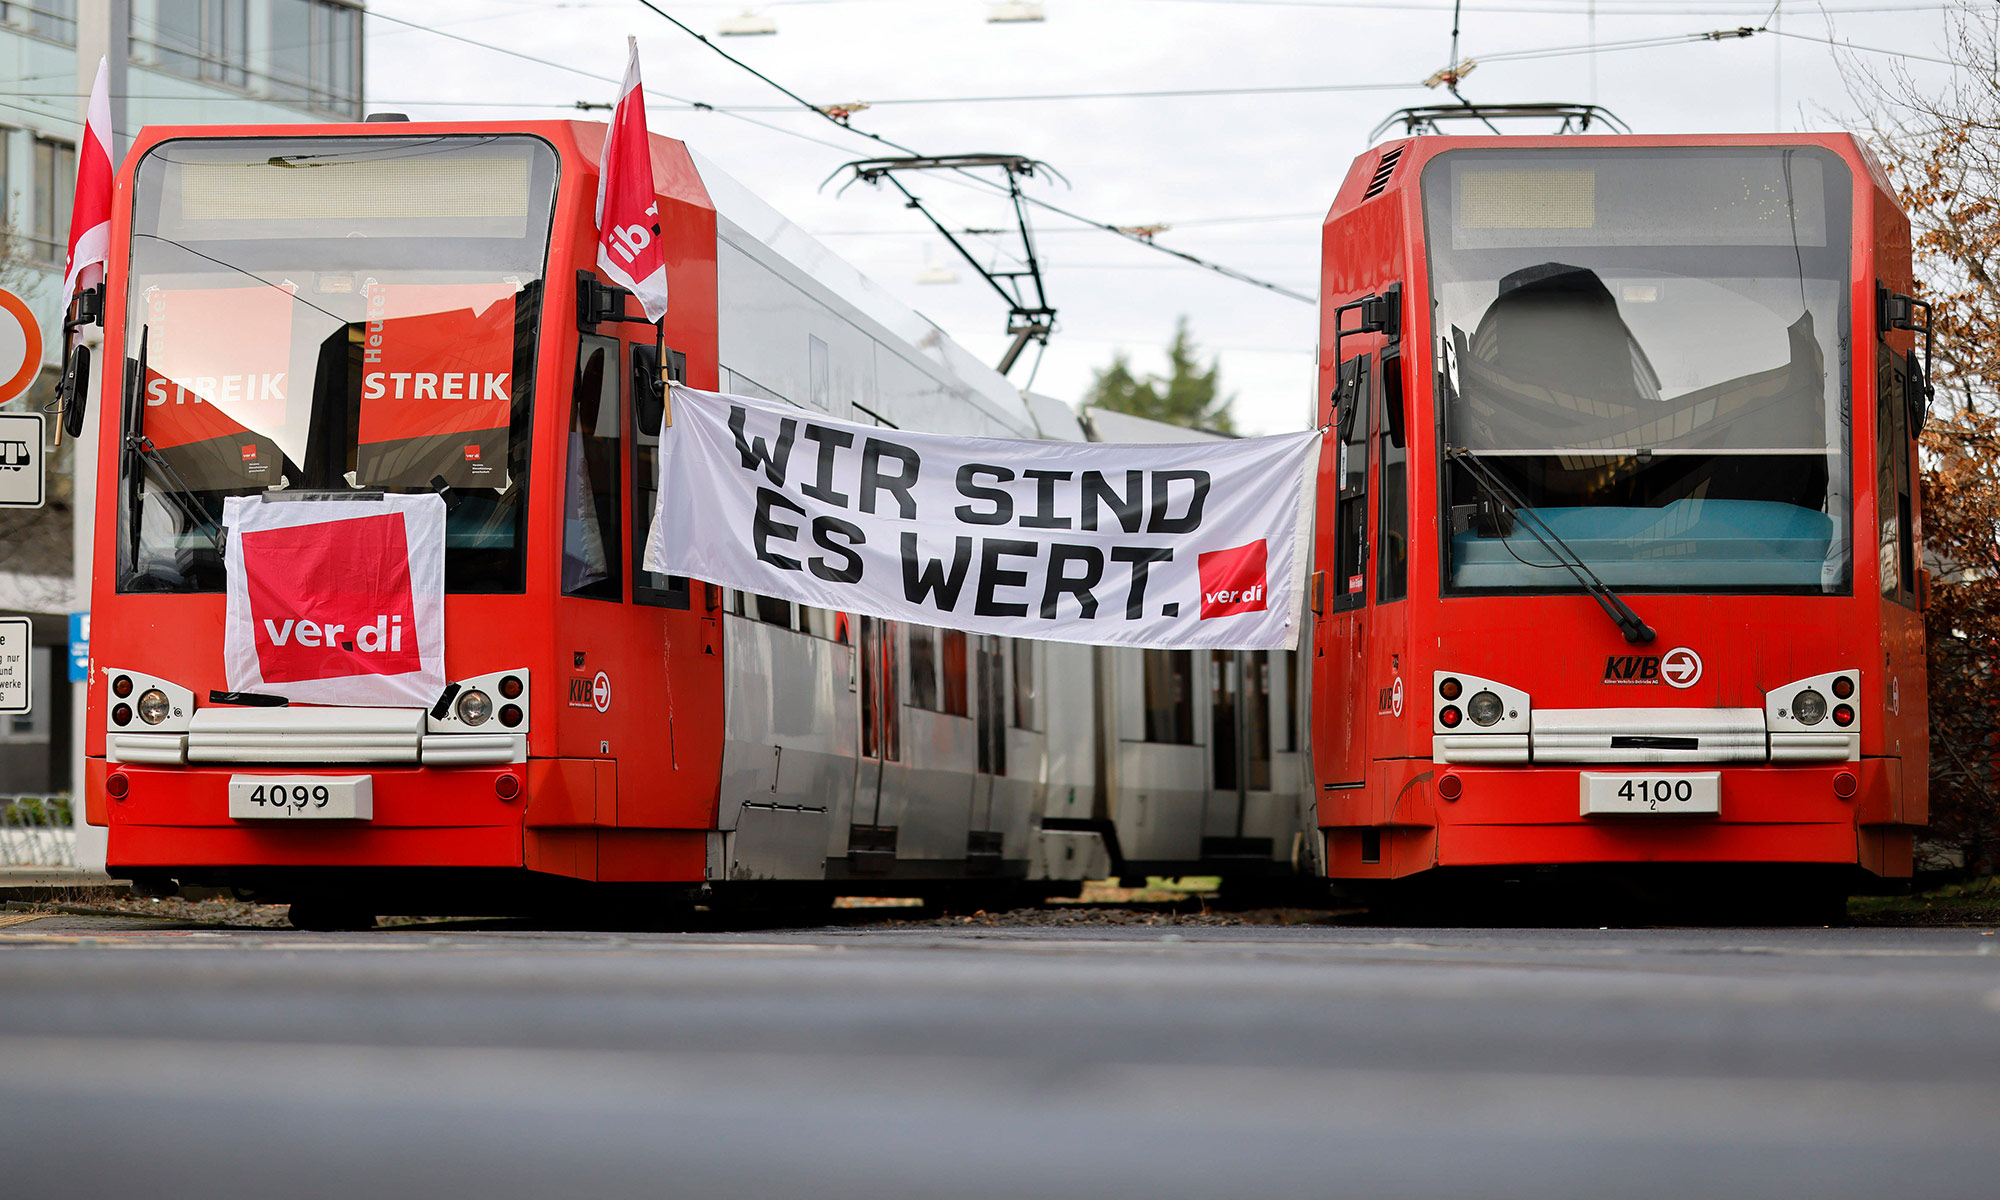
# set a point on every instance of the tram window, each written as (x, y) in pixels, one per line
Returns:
(650, 587)
(871, 685)
(1257, 720)
(773, 611)
(590, 566)
(820, 623)
(1291, 686)
(923, 668)
(1392, 528)
(1644, 346)
(956, 694)
(892, 708)
(1347, 581)
(819, 385)
(1897, 550)
(1169, 697)
(1024, 686)
(990, 669)
(881, 713)
(1224, 699)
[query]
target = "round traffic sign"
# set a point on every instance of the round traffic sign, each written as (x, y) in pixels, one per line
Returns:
(20, 346)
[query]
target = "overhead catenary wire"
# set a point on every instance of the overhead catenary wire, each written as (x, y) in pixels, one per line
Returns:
(845, 123)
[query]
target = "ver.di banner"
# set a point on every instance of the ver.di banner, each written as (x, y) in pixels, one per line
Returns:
(1190, 545)
(336, 601)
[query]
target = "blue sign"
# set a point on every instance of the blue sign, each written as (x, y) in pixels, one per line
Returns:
(79, 647)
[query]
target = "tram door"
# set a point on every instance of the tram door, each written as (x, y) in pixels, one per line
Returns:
(881, 708)
(1340, 752)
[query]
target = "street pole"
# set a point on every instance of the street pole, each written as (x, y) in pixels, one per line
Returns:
(102, 30)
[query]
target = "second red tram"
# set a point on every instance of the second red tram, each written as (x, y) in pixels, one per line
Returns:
(1619, 530)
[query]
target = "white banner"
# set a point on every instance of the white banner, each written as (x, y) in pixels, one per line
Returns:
(336, 601)
(1189, 545)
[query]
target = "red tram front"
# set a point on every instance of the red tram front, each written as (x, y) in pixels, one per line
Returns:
(1619, 530)
(395, 309)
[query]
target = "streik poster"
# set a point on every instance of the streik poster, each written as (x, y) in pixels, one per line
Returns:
(1190, 545)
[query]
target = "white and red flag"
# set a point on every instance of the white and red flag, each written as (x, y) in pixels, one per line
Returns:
(90, 214)
(628, 211)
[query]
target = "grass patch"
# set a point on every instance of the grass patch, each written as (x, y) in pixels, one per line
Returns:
(1973, 903)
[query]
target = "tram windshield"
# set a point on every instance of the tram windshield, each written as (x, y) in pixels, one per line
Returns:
(1648, 345)
(332, 314)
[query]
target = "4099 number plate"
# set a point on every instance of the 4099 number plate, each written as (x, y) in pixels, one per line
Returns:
(302, 797)
(1661, 793)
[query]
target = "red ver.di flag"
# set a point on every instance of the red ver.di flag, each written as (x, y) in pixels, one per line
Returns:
(336, 601)
(628, 210)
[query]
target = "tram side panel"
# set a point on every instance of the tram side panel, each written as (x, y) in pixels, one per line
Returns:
(880, 737)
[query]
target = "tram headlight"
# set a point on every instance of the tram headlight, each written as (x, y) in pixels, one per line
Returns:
(474, 707)
(153, 706)
(1809, 707)
(1484, 708)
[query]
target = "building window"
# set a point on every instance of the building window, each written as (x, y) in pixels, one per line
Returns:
(52, 19)
(55, 190)
(300, 52)
(205, 39)
(316, 54)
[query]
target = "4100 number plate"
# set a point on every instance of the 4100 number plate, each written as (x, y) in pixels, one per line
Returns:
(302, 797)
(1662, 793)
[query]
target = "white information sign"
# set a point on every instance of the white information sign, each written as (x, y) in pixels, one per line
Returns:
(17, 676)
(23, 462)
(1195, 545)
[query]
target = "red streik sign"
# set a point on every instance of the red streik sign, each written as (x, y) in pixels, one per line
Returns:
(218, 364)
(437, 383)
(331, 600)
(1232, 581)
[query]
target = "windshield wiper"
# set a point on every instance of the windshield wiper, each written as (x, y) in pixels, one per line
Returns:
(139, 446)
(1636, 631)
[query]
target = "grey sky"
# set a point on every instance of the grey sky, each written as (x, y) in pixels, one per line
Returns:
(1242, 179)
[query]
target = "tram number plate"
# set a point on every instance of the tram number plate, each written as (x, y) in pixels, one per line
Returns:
(302, 797)
(1660, 794)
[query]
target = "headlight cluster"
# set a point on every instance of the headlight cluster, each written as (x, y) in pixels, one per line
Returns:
(1809, 706)
(474, 707)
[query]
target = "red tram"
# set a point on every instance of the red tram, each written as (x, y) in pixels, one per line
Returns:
(406, 308)
(1619, 534)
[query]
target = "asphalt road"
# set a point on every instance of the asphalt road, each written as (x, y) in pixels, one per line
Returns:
(1097, 1063)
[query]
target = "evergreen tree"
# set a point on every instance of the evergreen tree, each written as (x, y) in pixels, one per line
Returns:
(1187, 396)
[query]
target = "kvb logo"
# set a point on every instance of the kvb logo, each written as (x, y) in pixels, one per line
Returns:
(1232, 581)
(331, 600)
(1679, 667)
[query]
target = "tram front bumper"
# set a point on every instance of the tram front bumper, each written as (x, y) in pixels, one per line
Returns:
(172, 816)
(1771, 814)
(1530, 815)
